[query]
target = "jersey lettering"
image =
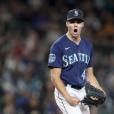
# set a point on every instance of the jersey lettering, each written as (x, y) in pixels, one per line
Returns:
(68, 60)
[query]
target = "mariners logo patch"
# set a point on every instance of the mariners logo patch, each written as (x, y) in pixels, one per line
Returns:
(52, 58)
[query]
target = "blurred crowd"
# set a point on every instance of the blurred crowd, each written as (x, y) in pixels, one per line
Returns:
(27, 29)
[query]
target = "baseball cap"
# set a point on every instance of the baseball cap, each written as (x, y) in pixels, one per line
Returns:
(75, 14)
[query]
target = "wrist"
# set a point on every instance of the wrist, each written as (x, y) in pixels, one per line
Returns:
(66, 96)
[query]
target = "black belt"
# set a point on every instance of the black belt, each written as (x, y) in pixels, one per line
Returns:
(74, 86)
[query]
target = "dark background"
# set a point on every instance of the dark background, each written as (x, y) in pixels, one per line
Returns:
(27, 29)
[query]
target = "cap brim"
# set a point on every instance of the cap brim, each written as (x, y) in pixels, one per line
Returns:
(75, 18)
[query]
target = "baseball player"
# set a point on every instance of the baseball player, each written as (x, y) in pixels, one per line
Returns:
(70, 63)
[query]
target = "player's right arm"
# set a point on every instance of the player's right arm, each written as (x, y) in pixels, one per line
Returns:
(56, 80)
(55, 65)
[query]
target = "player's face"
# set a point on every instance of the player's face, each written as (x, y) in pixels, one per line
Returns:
(75, 27)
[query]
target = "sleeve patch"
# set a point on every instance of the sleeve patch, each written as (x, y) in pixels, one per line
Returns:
(52, 58)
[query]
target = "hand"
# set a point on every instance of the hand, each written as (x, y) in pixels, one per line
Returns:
(72, 100)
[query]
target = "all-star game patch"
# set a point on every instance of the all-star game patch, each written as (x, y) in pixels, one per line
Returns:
(52, 58)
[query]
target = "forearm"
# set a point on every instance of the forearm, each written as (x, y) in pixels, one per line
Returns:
(58, 83)
(56, 80)
(60, 86)
(72, 100)
(93, 81)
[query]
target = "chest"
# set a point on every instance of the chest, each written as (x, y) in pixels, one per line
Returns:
(76, 54)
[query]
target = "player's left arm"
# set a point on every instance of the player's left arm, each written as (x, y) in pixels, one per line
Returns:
(92, 79)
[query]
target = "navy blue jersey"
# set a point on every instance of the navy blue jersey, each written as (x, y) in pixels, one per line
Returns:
(73, 59)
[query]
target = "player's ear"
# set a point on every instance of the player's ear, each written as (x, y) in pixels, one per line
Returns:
(66, 23)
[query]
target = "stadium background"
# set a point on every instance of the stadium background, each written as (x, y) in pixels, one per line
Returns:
(27, 29)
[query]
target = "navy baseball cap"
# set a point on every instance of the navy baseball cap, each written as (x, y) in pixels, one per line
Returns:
(75, 14)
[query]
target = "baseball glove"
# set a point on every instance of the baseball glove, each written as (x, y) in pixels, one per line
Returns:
(94, 96)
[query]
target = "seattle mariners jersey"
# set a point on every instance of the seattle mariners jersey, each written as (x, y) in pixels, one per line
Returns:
(73, 59)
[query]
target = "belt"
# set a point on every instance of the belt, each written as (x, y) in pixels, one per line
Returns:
(74, 86)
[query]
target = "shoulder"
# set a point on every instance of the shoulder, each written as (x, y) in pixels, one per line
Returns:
(59, 41)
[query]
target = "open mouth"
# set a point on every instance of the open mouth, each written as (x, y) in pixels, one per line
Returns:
(75, 30)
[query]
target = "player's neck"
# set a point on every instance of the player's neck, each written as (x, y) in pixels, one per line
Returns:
(74, 39)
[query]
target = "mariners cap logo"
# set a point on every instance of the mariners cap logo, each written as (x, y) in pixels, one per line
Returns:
(75, 13)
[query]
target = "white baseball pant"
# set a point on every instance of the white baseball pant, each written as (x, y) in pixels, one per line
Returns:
(65, 107)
